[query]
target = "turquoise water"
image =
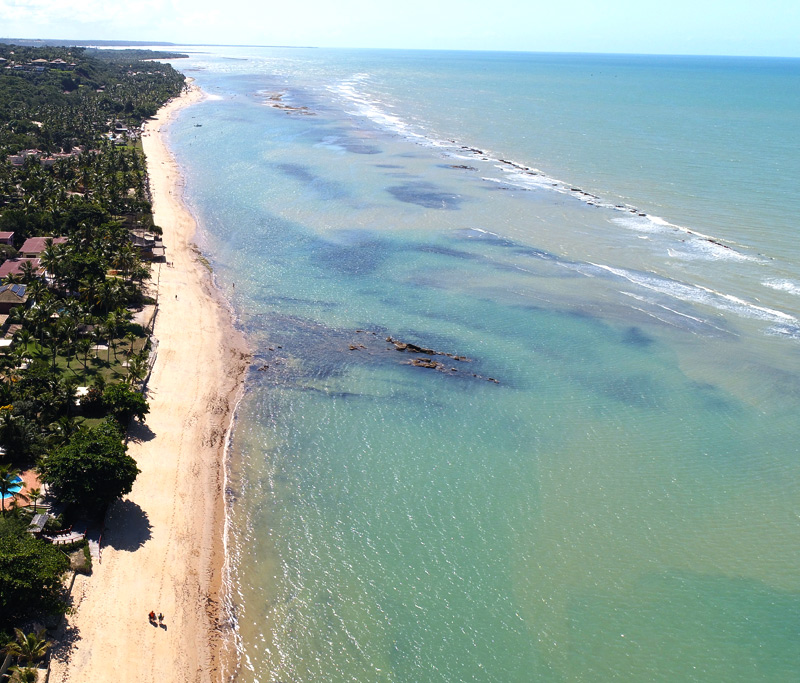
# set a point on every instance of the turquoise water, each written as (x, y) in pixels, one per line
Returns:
(600, 481)
(14, 489)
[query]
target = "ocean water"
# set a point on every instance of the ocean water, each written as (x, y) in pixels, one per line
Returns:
(598, 480)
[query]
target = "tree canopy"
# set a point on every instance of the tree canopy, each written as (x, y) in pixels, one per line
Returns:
(124, 403)
(30, 577)
(92, 469)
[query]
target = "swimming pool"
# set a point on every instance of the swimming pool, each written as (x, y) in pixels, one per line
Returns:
(15, 488)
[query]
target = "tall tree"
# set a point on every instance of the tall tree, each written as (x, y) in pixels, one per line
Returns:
(92, 469)
(8, 475)
(28, 647)
(30, 578)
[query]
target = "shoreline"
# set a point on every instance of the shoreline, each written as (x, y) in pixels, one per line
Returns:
(164, 545)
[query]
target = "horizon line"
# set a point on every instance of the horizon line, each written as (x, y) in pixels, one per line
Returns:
(80, 42)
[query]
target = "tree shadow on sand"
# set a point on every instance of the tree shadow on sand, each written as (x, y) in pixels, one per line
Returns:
(64, 642)
(140, 432)
(127, 526)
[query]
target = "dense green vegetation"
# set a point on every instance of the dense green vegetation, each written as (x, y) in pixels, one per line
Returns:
(91, 469)
(30, 575)
(71, 167)
(57, 108)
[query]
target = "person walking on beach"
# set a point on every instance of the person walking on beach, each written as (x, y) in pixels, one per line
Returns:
(160, 618)
(152, 617)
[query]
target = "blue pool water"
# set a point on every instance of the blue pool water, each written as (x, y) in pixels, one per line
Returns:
(15, 488)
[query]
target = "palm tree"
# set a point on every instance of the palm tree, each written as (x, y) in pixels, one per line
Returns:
(35, 289)
(113, 324)
(27, 272)
(51, 259)
(7, 476)
(19, 315)
(23, 337)
(99, 335)
(130, 338)
(33, 496)
(68, 332)
(83, 346)
(41, 318)
(28, 648)
(54, 337)
(24, 675)
(137, 368)
(62, 429)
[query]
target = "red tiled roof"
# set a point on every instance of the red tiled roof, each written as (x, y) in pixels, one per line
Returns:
(14, 265)
(36, 245)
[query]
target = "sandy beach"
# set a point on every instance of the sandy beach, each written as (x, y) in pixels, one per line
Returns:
(163, 545)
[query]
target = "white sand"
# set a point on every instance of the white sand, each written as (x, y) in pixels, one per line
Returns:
(162, 550)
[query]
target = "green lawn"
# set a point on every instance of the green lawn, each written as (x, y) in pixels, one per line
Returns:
(98, 363)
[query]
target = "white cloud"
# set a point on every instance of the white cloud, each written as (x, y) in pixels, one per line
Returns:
(59, 18)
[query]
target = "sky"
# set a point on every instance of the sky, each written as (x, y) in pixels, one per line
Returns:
(715, 27)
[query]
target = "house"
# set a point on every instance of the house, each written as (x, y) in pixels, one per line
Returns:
(34, 247)
(149, 246)
(13, 266)
(7, 238)
(19, 159)
(12, 296)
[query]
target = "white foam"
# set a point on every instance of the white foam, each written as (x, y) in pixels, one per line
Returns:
(486, 232)
(789, 286)
(372, 108)
(695, 249)
(701, 246)
(788, 331)
(671, 316)
(701, 295)
(693, 246)
(638, 223)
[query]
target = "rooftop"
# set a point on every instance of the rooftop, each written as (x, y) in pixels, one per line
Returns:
(36, 245)
(13, 293)
(14, 265)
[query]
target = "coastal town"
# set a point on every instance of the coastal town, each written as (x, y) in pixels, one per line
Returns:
(81, 261)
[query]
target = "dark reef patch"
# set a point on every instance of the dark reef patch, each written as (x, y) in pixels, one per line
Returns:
(359, 147)
(446, 251)
(634, 390)
(426, 195)
(302, 352)
(298, 171)
(351, 252)
(325, 188)
(635, 337)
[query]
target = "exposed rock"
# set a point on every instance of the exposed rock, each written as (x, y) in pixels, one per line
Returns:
(427, 363)
(413, 348)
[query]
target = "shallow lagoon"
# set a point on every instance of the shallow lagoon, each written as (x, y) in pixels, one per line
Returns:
(621, 504)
